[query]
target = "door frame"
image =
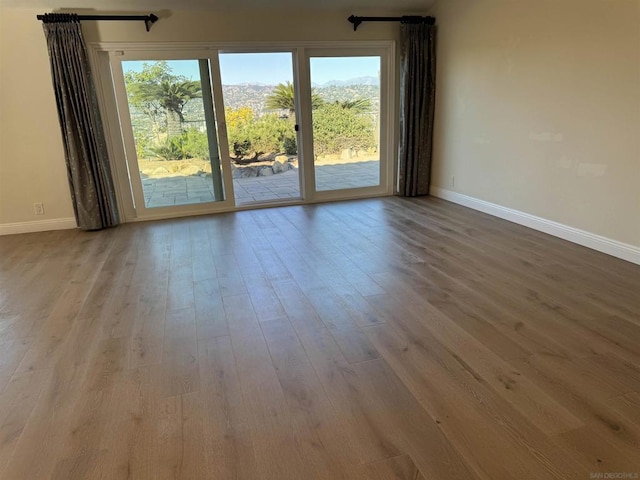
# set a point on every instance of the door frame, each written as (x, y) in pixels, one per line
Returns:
(296, 94)
(130, 160)
(99, 56)
(386, 134)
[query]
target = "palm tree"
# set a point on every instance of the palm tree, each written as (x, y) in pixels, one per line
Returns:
(361, 105)
(283, 98)
(172, 94)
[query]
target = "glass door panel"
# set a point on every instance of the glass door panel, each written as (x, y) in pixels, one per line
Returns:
(346, 101)
(171, 110)
(205, 130)
(260, 114)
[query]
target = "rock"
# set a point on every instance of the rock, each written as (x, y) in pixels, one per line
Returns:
(191, 170)
(160, 171)
(346, 154)
(245, 172)
(265, 171)
(279, 167)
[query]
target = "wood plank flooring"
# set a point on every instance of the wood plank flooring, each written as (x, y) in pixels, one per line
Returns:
(386, 339)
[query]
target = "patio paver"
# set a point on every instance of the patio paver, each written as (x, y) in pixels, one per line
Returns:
(169, 191)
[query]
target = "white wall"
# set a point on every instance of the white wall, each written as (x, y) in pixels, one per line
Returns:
(538, 109)
(32, 167)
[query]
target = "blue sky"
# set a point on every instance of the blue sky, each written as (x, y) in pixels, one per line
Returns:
(273, 68)
(324, 69)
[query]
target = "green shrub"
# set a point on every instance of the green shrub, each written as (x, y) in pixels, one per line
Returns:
(190, 144)
(142, 144)
(238, 121)
(267, 134)
(167, 150)
(241, 148)
(249, 136)
(195, 144)
(289, 145)
(336, 128)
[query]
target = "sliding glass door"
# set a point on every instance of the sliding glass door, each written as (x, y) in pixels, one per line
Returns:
(260, 110)
(169, 122)
(346, 121)
(214, 130)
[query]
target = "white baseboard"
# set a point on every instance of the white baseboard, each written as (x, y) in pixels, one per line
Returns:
(37, 226)
(581, 237)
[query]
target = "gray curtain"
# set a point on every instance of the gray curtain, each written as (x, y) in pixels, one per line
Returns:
(417, 107)
(90, 180)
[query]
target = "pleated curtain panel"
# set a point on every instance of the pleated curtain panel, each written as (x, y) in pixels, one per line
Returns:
(90, 180)
(417, 107)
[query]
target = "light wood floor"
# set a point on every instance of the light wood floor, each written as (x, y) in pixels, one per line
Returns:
(377, 339)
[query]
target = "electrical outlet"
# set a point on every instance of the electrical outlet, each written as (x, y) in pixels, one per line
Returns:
(38, 208)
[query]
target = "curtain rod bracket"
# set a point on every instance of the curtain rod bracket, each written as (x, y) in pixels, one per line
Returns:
(356, 21)
(150, 20)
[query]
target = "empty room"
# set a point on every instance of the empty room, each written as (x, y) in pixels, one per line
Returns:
(320, 240)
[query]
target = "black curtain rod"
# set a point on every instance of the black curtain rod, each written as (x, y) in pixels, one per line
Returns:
(71, 17)
(405, 19)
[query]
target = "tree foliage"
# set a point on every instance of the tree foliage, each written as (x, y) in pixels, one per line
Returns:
(237, 117)
(156, 91)
(336, 128)
(360, 105)
(191, 143)
(268, 134)
(283, 98)
(161, 97)
(150, 107)
(250, 137)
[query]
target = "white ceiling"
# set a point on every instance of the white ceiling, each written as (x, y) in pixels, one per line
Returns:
(155, 5)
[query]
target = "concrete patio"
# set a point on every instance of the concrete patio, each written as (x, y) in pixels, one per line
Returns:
(184, 190)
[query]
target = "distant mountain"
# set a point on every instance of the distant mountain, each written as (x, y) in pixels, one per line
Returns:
(366, 80)
(253, 96)
(250, 84)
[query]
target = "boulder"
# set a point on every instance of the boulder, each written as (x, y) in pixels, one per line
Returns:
(279, 167)
(191, 170)
(245, 172)
(265, 171)
(160, 171)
